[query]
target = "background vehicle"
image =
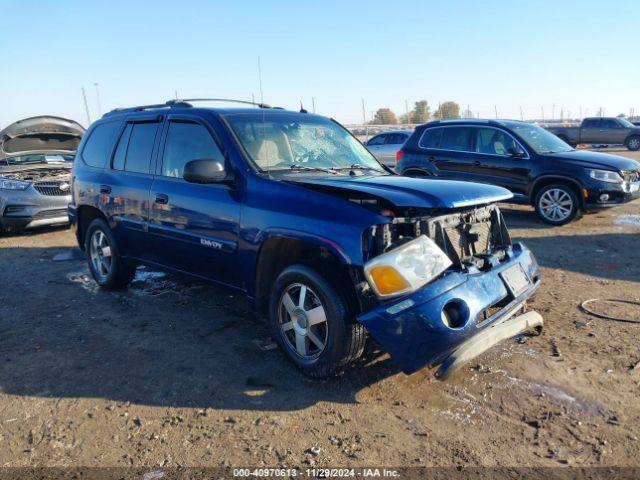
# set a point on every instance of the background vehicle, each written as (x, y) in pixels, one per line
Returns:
(537, 166)
(385, 145)
(36, 155)
(290, 209)
(601, 131)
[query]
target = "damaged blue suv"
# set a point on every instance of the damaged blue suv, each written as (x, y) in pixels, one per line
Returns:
(291, 210)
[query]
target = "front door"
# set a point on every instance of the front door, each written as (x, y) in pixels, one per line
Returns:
(590, 130)
(495, 163)
(194, 227)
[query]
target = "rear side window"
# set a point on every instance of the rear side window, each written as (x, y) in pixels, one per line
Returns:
(99, 145)
(456, 138)
(186, 142)
(591, 123)
(396, 139)
(135, 147)
(431, 138)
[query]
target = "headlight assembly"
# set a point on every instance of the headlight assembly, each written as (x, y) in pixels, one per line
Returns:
(7, 184)
(406, 268)
(606, 176)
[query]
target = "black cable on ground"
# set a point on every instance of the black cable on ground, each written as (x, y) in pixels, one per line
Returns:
(586, 309)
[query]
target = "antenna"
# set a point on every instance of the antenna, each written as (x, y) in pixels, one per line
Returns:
(86, 106)
(98, 99)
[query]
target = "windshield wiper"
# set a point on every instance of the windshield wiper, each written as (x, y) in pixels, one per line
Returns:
(358, 166)
(313, 169)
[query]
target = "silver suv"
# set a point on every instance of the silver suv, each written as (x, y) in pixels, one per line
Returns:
(36, 156)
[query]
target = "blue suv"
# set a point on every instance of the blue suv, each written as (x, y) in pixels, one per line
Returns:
(293, 211)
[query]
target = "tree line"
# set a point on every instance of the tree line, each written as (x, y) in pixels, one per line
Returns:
(421, 113)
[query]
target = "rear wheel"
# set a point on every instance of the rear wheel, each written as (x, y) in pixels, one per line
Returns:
(311, 323)
(107, 266)
(557, 204)
(633, 143)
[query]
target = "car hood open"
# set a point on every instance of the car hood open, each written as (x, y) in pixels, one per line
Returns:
(415, 192)
(588, 159)
(40, 134)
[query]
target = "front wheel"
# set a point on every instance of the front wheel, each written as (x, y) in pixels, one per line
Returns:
(311, 323)
(557, 204)
(107, 266)
(633, 143)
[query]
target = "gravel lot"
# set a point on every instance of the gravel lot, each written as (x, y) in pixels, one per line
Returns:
(171, 372)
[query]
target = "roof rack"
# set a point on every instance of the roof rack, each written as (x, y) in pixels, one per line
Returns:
(183, 103)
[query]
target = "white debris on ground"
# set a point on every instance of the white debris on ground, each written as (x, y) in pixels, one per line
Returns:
(627, 221)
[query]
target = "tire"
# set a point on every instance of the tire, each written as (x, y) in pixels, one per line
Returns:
(320, 348)
(557, 204)
(108, 268)
(567, 141)
(633, 143)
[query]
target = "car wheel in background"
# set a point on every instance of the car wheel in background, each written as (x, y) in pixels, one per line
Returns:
(108, 268)
(311, 323)
(557, 204)
(633, 143)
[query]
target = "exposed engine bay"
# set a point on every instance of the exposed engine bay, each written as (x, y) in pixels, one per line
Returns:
(38, 174)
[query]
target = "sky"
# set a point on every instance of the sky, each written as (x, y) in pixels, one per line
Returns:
(569, 56)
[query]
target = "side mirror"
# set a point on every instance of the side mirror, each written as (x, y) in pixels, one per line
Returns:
(515, 152)
(204, 171)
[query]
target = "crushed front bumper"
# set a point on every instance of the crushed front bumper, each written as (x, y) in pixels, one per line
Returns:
(415, 329)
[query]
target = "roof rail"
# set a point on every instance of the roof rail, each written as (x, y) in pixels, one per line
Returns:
(182, 103)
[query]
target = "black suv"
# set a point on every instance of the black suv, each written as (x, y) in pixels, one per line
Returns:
(538, 167)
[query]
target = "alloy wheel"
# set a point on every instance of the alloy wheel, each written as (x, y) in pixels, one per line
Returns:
(556, 205)
(100, 254)
(303, 321)
(634, 143)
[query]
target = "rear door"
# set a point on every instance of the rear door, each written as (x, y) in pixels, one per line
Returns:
(449, 151)
(590, 131)
(495, 165)
(193, 227)
(125, 188)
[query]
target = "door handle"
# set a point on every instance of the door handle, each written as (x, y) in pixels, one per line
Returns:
(477, 163)
(162, 199)
(431, 158)
(105, 189)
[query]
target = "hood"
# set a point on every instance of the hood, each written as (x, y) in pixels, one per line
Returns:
(416, 192)
(40, 134)
(584, 158)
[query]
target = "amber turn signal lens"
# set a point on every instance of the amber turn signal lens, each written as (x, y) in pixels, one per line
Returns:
(388, 280)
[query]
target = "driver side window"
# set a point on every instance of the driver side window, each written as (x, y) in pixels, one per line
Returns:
(187, 141)
(491, 141)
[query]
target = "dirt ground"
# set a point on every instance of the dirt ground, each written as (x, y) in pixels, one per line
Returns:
(171, 373)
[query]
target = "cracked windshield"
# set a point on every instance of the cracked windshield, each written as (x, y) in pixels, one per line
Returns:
(277, 141)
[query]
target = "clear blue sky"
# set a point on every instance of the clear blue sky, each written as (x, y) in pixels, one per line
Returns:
(480, 53)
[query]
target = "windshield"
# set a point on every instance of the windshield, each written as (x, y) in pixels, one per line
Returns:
(279, 141)
(626, 123)
(37, 158)
(541, 140)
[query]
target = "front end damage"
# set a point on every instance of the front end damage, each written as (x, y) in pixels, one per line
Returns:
(475, 303)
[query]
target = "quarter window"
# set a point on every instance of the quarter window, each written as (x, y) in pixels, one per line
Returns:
(456, 138)
(494, 142)
(98, 147)
(186, 142)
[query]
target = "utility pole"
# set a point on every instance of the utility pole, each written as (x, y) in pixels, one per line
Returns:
(553, 111)
(86, 106)
(521, 116)
(495, 107)
(542, 109)
(176, 92)
(406, 109)
(98, 99)
(313, 104)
